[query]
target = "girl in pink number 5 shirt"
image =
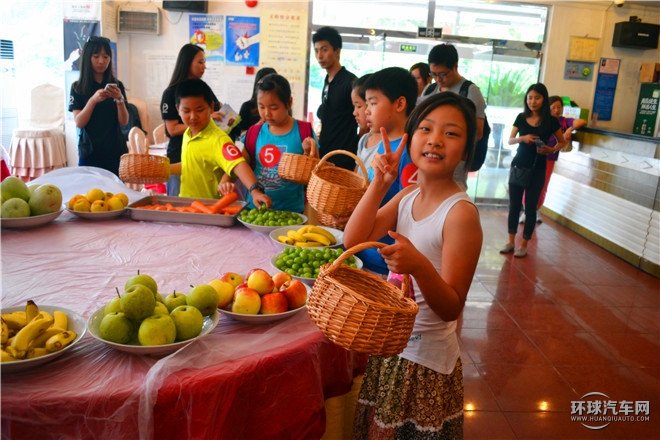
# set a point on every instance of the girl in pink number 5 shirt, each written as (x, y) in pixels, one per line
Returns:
(419, 393)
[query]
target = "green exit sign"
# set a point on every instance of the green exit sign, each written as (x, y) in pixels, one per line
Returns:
(408, 48)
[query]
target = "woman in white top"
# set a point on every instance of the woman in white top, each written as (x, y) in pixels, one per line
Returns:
(419, 393)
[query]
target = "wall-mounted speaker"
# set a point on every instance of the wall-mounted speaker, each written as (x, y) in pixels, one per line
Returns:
(636, 35)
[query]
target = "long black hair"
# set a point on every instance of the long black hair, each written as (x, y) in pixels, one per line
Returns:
(185, 58)
(461, 103)
(544, 112)
(85, 84)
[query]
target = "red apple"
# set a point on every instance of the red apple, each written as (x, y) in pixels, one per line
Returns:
(273, 303)
(239, 287)
(295, 292)
(232, 278)
(261, 281)
(246, 301)
(280, 278)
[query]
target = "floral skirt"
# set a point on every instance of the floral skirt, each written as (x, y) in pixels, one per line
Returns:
(400, 399)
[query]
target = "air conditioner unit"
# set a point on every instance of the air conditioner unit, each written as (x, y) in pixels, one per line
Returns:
(140, 21)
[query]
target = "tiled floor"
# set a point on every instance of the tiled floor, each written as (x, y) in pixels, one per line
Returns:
(540, 332)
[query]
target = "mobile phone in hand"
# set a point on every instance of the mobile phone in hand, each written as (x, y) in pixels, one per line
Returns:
(107, 86)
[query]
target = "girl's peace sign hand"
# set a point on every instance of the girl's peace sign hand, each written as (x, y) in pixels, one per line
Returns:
(386, 166)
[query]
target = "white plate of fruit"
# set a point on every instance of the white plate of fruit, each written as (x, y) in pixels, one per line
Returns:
(259, 298)
(141, 321)
(264, 221)
(304, 263)
(97, 204)
(308, 236)
(28, 205)
(46, 349)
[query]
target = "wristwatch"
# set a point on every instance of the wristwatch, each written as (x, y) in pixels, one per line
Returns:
(120, 100)
(257, 186)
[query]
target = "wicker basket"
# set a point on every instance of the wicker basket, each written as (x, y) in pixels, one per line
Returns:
(360, 311)
(298, 168)
(335, 190)
(329, 221)
(144, 168)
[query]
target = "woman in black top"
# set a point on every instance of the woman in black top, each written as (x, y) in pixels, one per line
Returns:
(531, 126)
(98, 103)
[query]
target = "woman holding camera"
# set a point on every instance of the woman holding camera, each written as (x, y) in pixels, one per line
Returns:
(98, 103)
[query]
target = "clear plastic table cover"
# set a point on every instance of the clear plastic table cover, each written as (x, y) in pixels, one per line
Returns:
(240, 381)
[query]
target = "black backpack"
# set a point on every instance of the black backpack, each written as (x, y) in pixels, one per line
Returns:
(481, 148)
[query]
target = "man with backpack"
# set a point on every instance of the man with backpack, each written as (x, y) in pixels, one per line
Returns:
(443, 62)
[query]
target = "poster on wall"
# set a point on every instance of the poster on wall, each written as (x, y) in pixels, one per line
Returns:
(285, 43)
(608, 74)
(242, 41)
(76, 34)
(207, 31)
(578, 70)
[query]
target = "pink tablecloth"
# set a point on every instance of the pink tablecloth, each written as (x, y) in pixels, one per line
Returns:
(34, 152)
(240, 381)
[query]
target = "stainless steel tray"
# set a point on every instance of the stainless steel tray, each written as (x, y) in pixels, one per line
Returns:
(180, 217)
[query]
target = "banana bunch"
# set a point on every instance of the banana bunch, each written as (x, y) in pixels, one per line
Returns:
(308, 236)
(31, 333)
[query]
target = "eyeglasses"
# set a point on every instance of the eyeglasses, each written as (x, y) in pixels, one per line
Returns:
(441, 75)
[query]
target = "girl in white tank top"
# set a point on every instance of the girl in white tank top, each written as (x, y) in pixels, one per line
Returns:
(438, 240)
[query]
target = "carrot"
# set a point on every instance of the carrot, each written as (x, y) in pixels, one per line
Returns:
(160, 208)
(169, 207)
(197, 205)
(224, 202)
(231, 210)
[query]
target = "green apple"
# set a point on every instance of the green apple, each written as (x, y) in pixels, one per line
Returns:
(174, 300)
(188, 321)
(143, 279)
(225, 291)
(12, 187)
(157, 330)
(204, 297)
(32, 187)
(161, 309)
(114, 305)
(46, 198)
(116, 327)
(15, 208)
(138, 302)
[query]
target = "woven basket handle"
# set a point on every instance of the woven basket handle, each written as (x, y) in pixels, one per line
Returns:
(347, 153)
(360, 247)
(312, 150)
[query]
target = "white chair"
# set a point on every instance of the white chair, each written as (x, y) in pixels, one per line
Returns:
(137, 144)
(159, 134)
(40, 147)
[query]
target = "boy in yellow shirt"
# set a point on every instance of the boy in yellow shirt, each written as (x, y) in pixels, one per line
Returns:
(207, 152)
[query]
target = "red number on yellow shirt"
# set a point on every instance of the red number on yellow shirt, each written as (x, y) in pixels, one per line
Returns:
(269, 155)
(231, 151)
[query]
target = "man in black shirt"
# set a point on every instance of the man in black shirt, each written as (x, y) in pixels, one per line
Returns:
(338, 125)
